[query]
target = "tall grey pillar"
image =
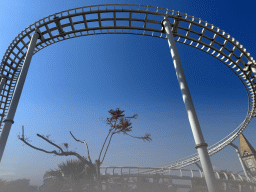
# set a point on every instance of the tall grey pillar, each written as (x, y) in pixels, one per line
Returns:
(201, 146)
(16, 96)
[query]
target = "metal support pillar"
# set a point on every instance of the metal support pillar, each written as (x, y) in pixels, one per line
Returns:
(16, 96)
(201, 146)
(240, 159)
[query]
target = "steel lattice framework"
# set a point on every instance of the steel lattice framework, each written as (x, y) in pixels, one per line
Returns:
(139, 20)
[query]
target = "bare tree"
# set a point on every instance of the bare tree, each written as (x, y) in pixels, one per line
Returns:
(118, 123)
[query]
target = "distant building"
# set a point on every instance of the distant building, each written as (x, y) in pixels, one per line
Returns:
(248, 154)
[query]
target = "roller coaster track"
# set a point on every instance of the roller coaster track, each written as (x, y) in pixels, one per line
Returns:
(137, 20)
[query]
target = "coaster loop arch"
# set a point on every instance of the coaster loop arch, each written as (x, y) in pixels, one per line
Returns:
(137, 20)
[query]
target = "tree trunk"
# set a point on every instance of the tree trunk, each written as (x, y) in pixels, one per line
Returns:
(98, 176)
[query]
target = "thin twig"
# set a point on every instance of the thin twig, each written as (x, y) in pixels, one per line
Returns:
(146, 137)
(84, 143)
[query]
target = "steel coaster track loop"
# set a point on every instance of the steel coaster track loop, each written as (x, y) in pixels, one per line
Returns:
(66, 27)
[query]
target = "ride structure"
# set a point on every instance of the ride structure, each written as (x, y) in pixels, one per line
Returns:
(156, 22)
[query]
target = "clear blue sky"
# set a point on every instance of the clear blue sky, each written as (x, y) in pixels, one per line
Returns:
(71, 86)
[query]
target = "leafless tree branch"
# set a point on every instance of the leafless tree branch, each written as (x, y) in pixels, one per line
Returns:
(104, 144)
(84, 143)
(106, 148)
(50, 142)
(61, 153)
(146, 137)
(39, 149)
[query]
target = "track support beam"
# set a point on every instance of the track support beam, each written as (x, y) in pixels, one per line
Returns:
(240, 159)
(201, 146)
(199, 167)
(2, 83)
(16, 96)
